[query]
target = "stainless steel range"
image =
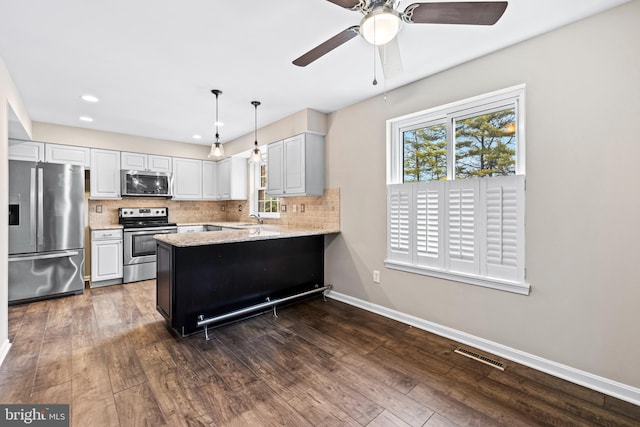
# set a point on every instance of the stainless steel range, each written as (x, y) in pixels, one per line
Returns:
(140, 225)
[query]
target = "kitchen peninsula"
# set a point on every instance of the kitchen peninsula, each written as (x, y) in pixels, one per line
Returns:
(205, 275)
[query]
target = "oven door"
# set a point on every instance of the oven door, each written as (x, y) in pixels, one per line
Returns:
(140, 246)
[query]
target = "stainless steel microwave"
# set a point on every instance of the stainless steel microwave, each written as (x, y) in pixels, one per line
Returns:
(145, 183)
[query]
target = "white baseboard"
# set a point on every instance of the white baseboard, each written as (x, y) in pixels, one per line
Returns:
(4, 350)
(609, 387)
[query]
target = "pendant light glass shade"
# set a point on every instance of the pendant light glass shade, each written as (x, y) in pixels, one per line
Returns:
(217, 151)
(256, 155)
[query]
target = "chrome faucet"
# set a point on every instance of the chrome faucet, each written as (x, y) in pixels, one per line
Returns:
(257, 217)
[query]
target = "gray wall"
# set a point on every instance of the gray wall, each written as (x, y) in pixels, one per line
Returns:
(582, 198)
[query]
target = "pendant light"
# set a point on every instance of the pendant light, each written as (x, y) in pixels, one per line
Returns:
(256, 155)
(217, 152)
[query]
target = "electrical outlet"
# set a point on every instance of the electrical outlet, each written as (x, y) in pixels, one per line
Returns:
(294, 208)
(222, 208)
(283, 208)
(98, 208)
(239, 208)
(301, 207)
(376, 276)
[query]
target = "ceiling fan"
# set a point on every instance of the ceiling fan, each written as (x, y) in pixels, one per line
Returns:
(382, 22)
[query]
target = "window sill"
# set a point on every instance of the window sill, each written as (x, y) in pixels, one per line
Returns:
(502, 285)
(272, 215)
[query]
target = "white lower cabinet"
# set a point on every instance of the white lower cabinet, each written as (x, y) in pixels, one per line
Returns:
(106, 257)
(191, 228)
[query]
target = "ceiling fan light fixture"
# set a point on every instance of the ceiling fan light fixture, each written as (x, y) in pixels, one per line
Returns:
(380, 26)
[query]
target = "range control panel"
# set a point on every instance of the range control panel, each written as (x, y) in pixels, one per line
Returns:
(142, 212)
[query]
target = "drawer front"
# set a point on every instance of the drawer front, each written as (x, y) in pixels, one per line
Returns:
(106, 234)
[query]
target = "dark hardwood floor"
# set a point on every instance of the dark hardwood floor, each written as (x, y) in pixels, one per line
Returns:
(108, 354)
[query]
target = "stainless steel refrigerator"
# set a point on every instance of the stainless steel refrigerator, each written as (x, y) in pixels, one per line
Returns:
(46, 230)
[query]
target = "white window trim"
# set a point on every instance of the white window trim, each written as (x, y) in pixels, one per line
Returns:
(254, 179)
(408, 260)
(443, 113)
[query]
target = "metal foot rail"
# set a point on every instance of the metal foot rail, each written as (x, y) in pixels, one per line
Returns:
(257, 307)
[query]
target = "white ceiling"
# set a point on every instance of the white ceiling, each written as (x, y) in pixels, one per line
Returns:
(153, 63)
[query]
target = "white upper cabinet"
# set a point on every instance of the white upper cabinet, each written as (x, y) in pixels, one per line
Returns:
(142, 162)
(105, 174)
(52, 153)
(275, 168)
(159, 163)
(232, 179)
(187, 179)
(209, 180)
(295, 166)
(133, 161)
(26, 150)
(68, 154)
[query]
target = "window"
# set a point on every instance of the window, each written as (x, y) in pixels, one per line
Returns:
(455, 193)
(267, 207)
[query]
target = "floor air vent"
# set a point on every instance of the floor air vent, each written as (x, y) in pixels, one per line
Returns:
(480, 358)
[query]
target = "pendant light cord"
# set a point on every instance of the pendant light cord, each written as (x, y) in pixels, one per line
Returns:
(217, 92)
(255, 104)
(375, 81)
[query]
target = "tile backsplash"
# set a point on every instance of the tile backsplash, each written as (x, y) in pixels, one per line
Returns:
(320, 212)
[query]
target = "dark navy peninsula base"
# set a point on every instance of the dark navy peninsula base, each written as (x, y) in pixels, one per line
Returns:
(216, 279)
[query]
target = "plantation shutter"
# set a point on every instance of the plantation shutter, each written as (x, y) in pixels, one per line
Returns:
(461, 213)
(429, 206)
(399, 236)
(471, 229)
(503, 245)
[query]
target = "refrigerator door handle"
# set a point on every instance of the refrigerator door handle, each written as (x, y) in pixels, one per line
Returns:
(32, 206)
(40, 232)
(64, 254)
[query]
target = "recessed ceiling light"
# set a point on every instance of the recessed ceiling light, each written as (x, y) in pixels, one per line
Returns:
(86, 118)
(197, 136)
(89, 98)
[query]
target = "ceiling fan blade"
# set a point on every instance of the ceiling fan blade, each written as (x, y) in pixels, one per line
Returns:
(469, 13)
(390, 58)
(347, 4)
(327, 46)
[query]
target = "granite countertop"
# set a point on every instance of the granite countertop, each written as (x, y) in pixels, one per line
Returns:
(105, 227)
(225, 224)
(243, 233)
